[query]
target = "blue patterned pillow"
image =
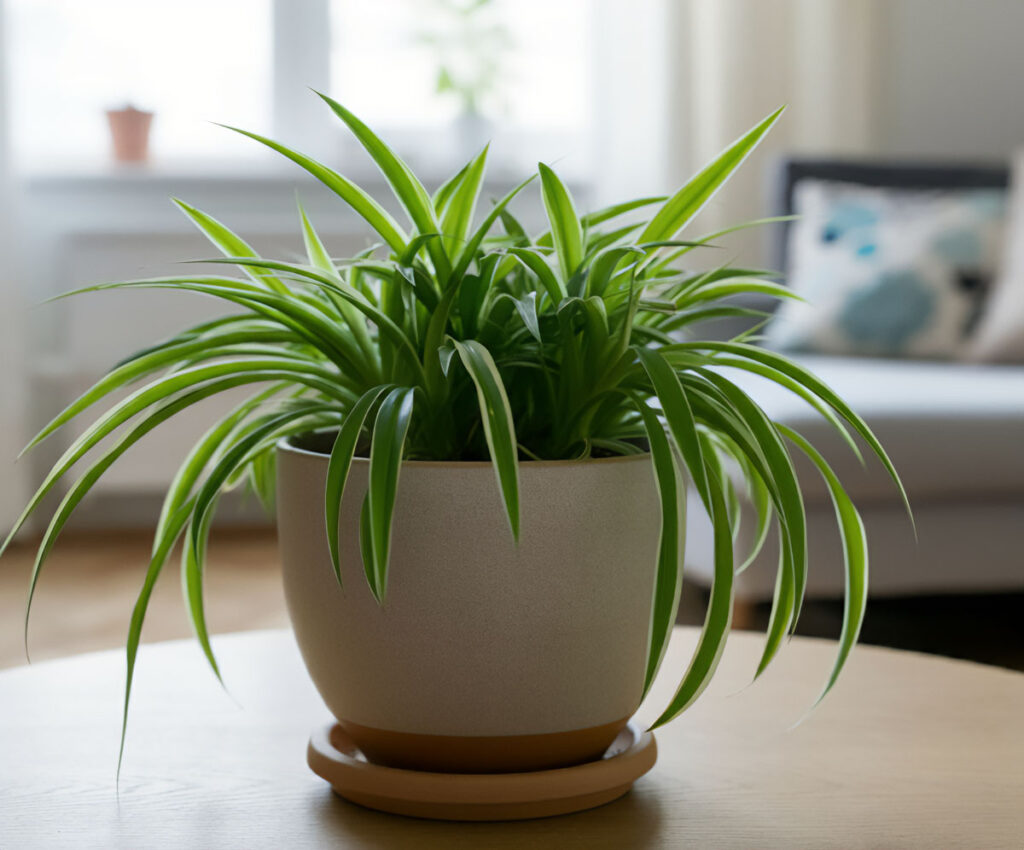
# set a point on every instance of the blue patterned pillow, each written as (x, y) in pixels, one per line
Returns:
(887, 272)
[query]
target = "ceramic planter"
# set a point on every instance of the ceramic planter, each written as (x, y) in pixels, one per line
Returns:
(485, 656)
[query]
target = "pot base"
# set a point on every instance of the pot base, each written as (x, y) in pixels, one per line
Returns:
(480, 754)
(334, 756)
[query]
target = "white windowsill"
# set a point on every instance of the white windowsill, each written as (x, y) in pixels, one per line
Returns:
(428, 151)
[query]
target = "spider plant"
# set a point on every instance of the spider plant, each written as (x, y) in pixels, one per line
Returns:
(460, 335)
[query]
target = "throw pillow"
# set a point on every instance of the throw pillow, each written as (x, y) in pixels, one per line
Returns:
(888, 272)
(1000, 335)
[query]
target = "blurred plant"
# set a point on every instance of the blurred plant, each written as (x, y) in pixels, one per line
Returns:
(469, 44)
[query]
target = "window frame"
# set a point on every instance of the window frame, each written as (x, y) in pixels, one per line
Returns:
(300, 59)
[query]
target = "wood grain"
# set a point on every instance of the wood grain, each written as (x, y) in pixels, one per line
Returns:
(908, 751)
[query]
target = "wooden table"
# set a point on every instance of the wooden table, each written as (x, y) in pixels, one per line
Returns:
(908, 751)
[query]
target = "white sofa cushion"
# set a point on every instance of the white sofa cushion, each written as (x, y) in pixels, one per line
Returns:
(969, 546)
(951, 429)
(1000, 336)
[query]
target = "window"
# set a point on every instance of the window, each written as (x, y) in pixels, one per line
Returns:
(512, 70)
(190, 61)
(387, 58)
(522, 64)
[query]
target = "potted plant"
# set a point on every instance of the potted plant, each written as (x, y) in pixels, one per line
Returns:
(480, 443)
(129, 133)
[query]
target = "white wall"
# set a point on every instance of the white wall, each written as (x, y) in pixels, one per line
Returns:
(951, 78)
(11, 381)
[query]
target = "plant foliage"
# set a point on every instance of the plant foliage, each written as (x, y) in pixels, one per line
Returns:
(461, 336)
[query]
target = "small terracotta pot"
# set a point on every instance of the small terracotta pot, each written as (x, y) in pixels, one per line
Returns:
(129, 132)
(485, 656)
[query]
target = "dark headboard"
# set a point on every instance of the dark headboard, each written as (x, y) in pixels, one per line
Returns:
(903, 175)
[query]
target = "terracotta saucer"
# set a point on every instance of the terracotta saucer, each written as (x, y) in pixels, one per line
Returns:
(480, 796)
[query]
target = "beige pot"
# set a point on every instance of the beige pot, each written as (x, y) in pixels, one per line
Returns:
(485, 656)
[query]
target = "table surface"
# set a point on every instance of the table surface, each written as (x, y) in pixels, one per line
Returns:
(908, 751)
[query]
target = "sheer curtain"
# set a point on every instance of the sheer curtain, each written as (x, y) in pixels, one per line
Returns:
(12, 396)
(677, 80)
(741, 59)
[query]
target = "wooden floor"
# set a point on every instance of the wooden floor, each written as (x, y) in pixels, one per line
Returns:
(89, 584)
(87, 590)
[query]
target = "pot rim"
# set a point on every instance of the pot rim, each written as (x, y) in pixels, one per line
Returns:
(285, 445)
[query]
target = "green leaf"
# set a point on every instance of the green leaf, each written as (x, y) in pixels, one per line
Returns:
(229, 243)
(319, 258)
(807, 379)
(566, 228)
(673, 256)
(534, 260)
(688, 201)
(514, 228)
(669, 573)
(232, 374)
(199, 456)
(161, 552)
(340, 463)
(263, 480)
(413, 249)
(593, 219)
(389, 432)
(605, 264)
(473, 244)
(153, 360)
(373, 213)
(305, 321)
(777, 458)
(445, 354)
(434, 338)
(499, 429)
(197, 531)
(366, 544)
(719, 614)
(444, 192)
(669, 391)
(855, 557)
(84, 484)
(723, 289)
(798, 389)
(458, 217)
(707, 314)
(193, 556)
(406, 186)
(527, 309)
(597, 241)
(747, 425)
(319, 331)
(757, 492)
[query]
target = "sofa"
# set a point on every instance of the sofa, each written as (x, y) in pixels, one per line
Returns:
(954, 430)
